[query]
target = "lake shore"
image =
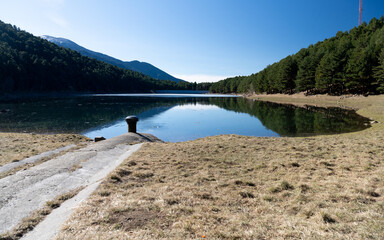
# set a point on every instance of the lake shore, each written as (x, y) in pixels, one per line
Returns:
(236, 187)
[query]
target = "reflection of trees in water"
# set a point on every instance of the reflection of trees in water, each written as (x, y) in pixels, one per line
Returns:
(77, 114)
(290, 120)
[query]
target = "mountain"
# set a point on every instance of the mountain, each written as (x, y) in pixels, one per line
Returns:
(350, 62)
(143, 67)
(30, 64)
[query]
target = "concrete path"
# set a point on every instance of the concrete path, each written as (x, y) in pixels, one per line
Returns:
(26, 191)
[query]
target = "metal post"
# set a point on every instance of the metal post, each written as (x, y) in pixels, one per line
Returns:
(132, 121)
(360, 12)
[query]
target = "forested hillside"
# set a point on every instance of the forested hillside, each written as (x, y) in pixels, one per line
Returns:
(143, 67)
(31, 64)
(350, 62)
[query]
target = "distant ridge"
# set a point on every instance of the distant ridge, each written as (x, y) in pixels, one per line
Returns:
(142, 67)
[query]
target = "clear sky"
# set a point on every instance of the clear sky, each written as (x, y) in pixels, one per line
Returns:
(197, 40)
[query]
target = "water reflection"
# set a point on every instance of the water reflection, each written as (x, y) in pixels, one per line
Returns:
(290, 120)
(191, 121)
(174, 118)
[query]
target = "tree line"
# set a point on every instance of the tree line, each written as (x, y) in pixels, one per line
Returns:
(350, 62)
(30, 64)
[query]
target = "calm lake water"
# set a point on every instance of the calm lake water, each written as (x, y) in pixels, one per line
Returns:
(173, 117)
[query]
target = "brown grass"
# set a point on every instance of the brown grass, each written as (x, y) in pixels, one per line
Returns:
(18, 146)
(236, 187)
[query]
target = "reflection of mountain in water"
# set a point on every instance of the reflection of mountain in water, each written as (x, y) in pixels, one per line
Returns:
(142, 116)
(82, 113)
(77, 114)
(152, 112)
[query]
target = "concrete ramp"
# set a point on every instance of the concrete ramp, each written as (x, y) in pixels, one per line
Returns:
(27, 191)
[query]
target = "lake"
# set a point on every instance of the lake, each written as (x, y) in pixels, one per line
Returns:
(173, 117)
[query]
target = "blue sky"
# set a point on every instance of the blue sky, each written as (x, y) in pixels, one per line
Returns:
(197, 40)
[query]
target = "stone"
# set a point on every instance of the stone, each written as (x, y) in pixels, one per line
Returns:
(98, 139)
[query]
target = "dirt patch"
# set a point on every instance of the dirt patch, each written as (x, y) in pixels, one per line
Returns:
(128, 220)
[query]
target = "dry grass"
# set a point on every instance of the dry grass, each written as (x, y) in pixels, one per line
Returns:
(236, 187)
(30, 222)
(17, 146)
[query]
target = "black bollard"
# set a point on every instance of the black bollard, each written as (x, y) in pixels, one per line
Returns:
(131, 121)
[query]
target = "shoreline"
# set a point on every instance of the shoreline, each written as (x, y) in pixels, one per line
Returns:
(371, 107)
(368, 107)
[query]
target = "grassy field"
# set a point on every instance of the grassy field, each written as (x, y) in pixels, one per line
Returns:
(17, 146)
(236, 187)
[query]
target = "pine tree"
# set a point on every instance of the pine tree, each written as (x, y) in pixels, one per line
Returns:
(379, 73)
